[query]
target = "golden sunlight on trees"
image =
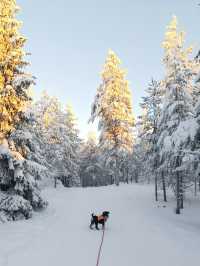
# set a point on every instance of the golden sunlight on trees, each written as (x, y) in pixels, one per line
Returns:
(115, 106)
(51, 107)
(71, 119)
(13, 98)
(175, 52)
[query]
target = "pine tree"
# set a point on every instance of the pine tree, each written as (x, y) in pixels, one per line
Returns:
(14, 83)
(196, 89)
(148, 128)
(196, 148)
(176, 124)
(113, 108)
(151, 107)
(70, 122)
(18, 178)
(47, 111)
(47, 114)
(61, 139)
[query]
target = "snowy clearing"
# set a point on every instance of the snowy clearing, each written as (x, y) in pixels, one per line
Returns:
(137, 233)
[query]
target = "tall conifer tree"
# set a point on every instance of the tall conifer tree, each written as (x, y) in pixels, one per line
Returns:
(113, 108)
(14, 83)
(19, 171)
(176, 123)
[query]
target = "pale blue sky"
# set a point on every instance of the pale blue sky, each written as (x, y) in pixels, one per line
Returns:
(69, 41)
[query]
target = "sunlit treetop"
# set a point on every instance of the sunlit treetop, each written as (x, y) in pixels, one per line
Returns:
(113, 106)
(51, 107)
(112, 67)
(173, 43)
(14, 83)
(71, 117)
(11, 42)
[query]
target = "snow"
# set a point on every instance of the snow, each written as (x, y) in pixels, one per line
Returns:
(4, 150)
(186, 129)
(22, 135)
(139, 232)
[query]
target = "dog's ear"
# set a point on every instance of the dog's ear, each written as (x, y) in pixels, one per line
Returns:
(106, 213)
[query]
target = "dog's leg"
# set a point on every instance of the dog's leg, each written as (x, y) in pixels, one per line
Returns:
(96, 225)
(103, 225)
(92, 223)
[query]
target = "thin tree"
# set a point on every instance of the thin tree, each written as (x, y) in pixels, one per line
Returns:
(148, 121)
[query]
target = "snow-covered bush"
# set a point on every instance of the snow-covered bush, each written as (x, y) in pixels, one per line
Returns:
(22, 167)
(15, 207)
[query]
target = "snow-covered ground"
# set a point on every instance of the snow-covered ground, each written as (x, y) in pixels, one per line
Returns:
(138, 232)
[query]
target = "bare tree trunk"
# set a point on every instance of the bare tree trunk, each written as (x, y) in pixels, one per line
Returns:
(55, 182)
(164, 187)
(177, 193)
(116, 171)
(116, 175)
(181, 192)
(195, 187)
(156, 187)
(116, 178)
(127, 175)
(199, 184)
(124, 174)
(136, 178)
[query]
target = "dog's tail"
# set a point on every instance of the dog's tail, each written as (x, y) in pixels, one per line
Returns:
(92, 215)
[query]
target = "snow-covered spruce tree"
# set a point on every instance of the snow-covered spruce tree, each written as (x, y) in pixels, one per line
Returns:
(196, 88)
(176, 124)
(70, 122)
(197, 58)
(92, 171)
(142, 139)
(47, 111)
(28, 141)
(113, 108)
(147, 128)
(21, 194)
(196, 96)
(61, 141)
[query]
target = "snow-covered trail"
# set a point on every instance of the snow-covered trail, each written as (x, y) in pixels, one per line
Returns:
(138, 232)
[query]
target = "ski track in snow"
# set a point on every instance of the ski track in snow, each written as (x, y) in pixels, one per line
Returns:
(138, 233)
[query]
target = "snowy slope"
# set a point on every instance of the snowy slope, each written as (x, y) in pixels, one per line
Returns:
(138, 232)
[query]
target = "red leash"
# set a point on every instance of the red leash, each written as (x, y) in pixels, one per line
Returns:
(100, 248)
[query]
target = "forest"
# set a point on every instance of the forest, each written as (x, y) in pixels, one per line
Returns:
(40, 143)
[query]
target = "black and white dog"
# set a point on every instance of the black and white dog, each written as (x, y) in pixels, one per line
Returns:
(101, 219)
